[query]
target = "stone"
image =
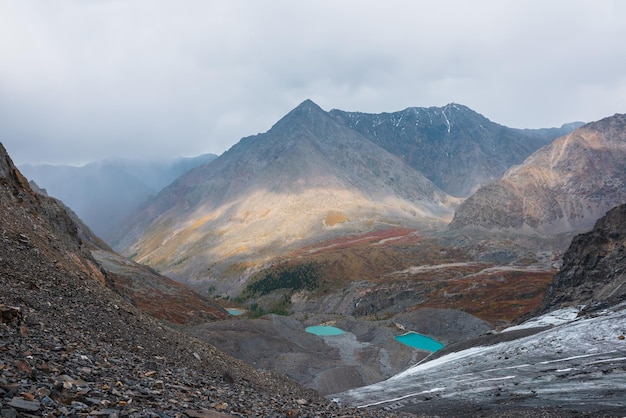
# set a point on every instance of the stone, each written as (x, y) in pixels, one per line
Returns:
(79, 406)
(23, 366)
(92, 401)
(205, 413)
(41, 392)
(23, 405)
(8, 412)
(28, 396)
(10, 314)
(47, 401)
(104, 412)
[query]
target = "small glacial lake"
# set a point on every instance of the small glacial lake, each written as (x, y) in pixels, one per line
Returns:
(324, 330)
(419, 341)
(235, 311)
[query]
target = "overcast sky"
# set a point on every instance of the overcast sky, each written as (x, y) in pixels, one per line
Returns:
(86, 80)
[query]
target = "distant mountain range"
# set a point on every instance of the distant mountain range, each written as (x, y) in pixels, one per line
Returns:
(103, 193)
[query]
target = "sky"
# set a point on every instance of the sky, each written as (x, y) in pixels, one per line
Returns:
(86, 80)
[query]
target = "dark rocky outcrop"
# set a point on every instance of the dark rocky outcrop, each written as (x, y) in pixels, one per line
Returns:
(594, 266)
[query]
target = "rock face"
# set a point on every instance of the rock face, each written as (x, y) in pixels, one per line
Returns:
(563, 187)
(594, 266)
(71, 346)
(309, 178)
(456, 148)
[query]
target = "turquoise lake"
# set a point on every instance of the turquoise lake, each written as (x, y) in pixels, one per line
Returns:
(324, 330)
(235, 311)
(419, 341)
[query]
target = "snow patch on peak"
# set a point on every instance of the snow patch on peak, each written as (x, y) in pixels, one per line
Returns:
(443, 112)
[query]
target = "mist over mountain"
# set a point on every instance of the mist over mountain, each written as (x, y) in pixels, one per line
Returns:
(103, 193)
(564, 187)
(456, 148)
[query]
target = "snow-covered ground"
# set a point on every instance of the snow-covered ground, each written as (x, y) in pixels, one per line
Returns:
(580, 364)
(558, 317)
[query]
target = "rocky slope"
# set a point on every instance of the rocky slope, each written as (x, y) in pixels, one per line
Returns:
(140, 285)
(456, 148)
(562, 188)
(72, 346)
(307, 179)
(103, 193)
(594, 266)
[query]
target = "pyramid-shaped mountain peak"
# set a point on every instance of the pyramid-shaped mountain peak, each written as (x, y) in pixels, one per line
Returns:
(308, 104)
(306, 108)
(305, 114)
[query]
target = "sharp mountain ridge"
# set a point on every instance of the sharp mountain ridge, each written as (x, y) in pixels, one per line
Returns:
(594, 267)
(456, 148)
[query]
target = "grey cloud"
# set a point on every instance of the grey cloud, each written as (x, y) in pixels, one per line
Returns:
(85, 80)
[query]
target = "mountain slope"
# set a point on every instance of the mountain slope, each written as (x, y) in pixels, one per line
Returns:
(143, 287)
(103, 193)
(453, 146)
(563, 187)
(307, 178)
(71, 346)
